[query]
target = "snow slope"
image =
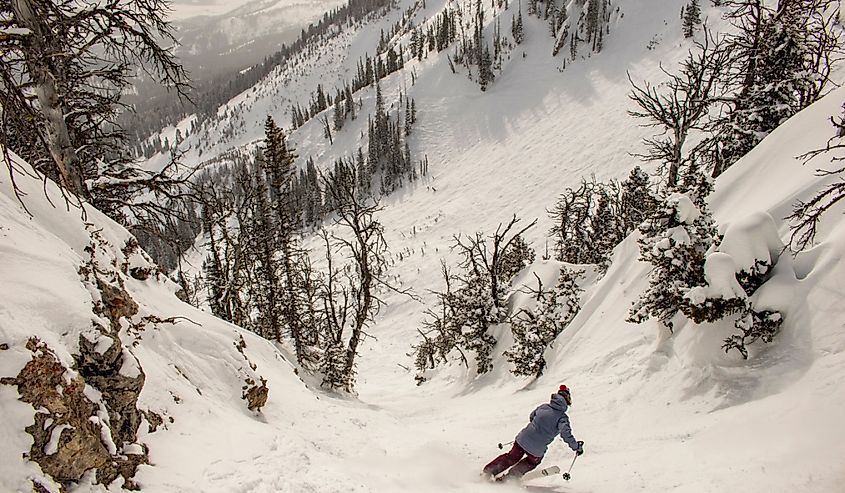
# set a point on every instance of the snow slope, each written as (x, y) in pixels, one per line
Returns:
(656, 413)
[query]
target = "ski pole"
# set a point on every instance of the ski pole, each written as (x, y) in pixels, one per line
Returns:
(502, 445)
(566, 475)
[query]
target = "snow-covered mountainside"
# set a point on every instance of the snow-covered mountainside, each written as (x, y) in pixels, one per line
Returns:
(657, 412)
(186, 9)
(212, 39)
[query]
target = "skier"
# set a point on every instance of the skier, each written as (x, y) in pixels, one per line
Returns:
(546, 421)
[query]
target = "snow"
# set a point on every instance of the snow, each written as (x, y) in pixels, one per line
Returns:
(129, 365)
(186, 9)
(685, 211)
(53, 445)
(133, 449)
(720, 275)
(679, 235)
(102, 343)
(752, 240)
(657, 412)
(105, 431)
(779, 292)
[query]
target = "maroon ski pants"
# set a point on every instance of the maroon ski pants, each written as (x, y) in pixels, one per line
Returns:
(514, 457)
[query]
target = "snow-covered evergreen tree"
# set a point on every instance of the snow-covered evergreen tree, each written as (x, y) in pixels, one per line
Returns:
(638, 201)
(515, 258)
(674, 240)
(782, 55)
(474, 300)
(734, 274)
(535, 329)
(605, 226)
(517, 30)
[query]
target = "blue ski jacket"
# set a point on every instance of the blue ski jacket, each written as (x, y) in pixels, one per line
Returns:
(547, 421)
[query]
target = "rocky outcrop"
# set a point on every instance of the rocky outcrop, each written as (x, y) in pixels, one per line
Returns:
(76, 428)
(118, 376)
(86, 414)
(115, 303)
(254, 394)
(67, 442)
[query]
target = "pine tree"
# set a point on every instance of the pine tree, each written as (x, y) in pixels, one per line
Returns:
(379, 133)
(485, 69)
(593, 21)
(262, 248)
(349, 102)
(535, 329)
(473, 306)
(279, 164)
(783, 57)
(363, 173)
(674, 240)
(692, 18)
(605, 230)
(517, 29)
(637, 201)
(413, 111)
(339, 112)
(212, 270)
(515, 258)
(408, 121)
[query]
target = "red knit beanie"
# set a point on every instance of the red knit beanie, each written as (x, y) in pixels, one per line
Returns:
(564, 391)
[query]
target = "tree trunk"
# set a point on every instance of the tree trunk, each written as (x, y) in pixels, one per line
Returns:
(364, 305)
(58, 136)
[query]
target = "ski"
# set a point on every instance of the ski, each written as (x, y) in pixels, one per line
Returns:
(539, 473)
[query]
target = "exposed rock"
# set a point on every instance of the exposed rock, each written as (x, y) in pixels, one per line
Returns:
(256, 395)
(140, 273)
(153, 419)
(70, 433)
(63, 411)
(116, 303)
(124, 468)
(102, 370)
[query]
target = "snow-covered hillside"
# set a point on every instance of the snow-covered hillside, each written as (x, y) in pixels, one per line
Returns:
(241, 33)
(656, 416)
(657, 413)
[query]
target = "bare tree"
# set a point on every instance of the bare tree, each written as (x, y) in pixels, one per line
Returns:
(65, 65)
(683, 106)
(367, 250)
(806, 215)
(782, 54)
(483, 262)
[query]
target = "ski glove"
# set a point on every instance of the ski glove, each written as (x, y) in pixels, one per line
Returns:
(580, 450)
